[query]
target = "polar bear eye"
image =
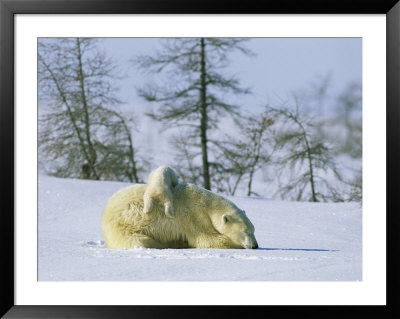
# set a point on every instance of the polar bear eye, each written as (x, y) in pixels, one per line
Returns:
(225, 218)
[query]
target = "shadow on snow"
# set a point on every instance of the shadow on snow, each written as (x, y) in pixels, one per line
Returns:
(301, 249)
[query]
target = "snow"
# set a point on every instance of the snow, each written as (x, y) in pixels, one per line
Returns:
(299, 241)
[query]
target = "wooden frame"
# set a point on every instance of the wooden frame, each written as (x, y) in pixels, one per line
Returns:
(11, 7)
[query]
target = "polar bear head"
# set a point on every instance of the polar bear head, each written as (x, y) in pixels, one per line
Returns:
(216, 214)
(235, 225)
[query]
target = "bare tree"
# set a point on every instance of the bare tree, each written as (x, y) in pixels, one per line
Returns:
(351, 189)
(192, 95)
(185, 159)
(81, 131)
(241, 157)
(301, 150)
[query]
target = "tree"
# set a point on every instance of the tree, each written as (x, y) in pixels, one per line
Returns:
(351, 189)
(185, 159)
(349, 107)
(81, 130)
(241, 157)
(191, 96)
(300, 148)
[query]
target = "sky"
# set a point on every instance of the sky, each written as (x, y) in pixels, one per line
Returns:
(279, 68)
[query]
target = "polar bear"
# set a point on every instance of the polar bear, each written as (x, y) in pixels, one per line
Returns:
(160, 183)
(202, 219)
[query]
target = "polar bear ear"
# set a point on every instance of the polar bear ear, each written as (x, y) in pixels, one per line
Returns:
(226, 218)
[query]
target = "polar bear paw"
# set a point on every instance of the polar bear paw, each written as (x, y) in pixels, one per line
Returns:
(169, 212)
(148, 204)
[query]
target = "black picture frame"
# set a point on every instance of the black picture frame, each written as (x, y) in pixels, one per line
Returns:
(8, 10)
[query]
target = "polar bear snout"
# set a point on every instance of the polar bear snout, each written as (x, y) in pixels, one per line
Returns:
(251, 246)
(250, 242)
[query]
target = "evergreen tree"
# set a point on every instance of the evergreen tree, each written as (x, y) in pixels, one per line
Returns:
(81, 130)
(193, 96)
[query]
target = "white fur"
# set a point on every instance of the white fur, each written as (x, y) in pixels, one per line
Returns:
(202, 219)
(159, 186)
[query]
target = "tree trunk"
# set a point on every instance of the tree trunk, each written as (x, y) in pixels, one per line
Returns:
(236, 184)
(310, 164)
(250, 182)
(131, 152)
(255, 162)
(203, 119)
(314, 197)
(92, 151)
